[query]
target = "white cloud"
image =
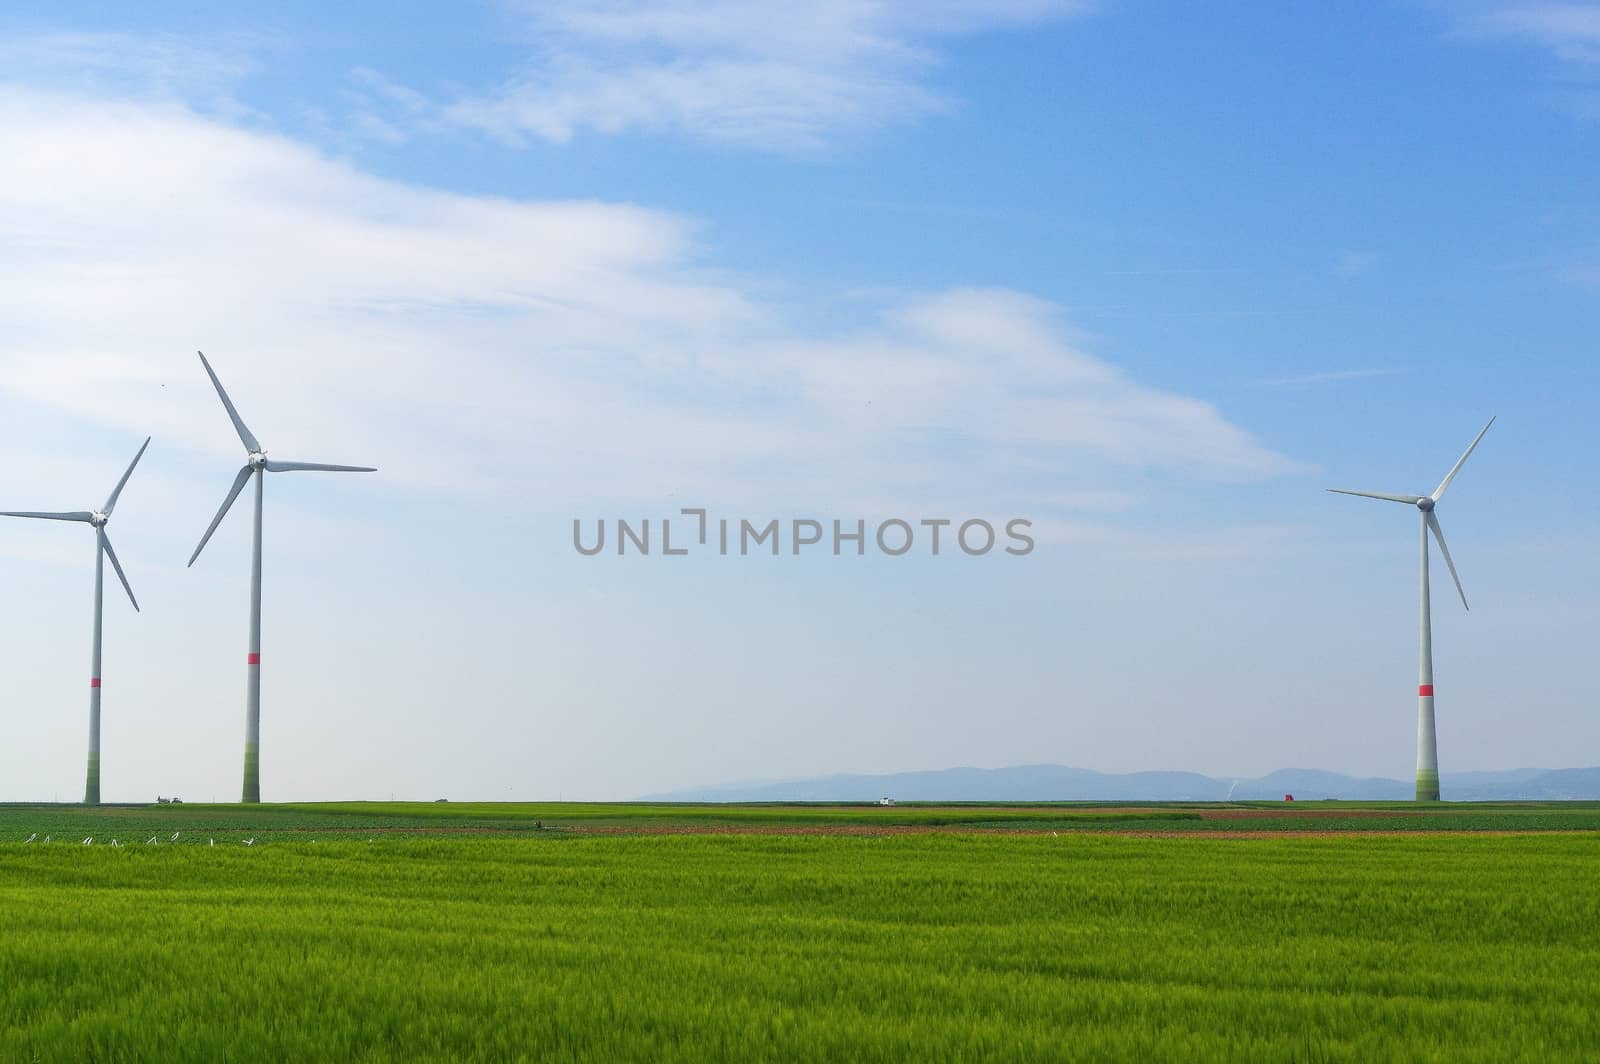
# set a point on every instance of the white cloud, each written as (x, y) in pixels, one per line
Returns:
(470, 343)
(789, 77)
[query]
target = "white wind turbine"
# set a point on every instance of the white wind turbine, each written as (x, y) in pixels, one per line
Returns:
(1427, 740)
(257, 464)
(102, 550)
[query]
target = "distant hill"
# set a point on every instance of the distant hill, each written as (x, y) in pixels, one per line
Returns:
(1039, 783)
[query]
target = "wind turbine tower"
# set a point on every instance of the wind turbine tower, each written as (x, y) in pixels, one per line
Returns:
(256, 466)
(1427, 738)
(97, 520)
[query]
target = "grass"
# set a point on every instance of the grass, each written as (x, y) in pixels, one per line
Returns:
(555, 945)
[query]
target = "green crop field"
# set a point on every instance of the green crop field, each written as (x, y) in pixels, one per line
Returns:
(522, 935)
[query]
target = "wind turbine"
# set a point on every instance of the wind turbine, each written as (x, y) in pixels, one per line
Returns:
(102, 550)
(257, 464)
(1427, 740)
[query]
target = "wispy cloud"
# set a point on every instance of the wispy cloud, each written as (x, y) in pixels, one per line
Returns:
(1354, 263)
(786, 77)
(145, 66)
(614, 363)
(1569, 31)
(1317, 380)
(1567, 34)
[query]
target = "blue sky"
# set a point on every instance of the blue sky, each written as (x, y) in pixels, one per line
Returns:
(1151, 275)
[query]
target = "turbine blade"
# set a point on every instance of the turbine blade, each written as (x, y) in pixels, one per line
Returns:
(233, 493)
(111, 503)
(1438, 534)
(274, 466)
(245, 436)
(1409, 500)
(76, 515)
(105, 545)
(1448, 477)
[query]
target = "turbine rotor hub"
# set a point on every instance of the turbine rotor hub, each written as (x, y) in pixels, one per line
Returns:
(98, 519)
(258, 459)
(1425, 505)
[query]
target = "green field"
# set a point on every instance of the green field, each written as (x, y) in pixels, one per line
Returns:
(387, 939)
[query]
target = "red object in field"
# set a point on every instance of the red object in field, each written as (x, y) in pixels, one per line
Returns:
(1288, 797)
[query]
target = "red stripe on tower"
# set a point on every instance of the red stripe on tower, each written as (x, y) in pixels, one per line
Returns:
(252, 659)
(94, 681)
(1425, 689)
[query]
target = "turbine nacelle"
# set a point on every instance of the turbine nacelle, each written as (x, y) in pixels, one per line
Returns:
(258, 459)
(1425, 504)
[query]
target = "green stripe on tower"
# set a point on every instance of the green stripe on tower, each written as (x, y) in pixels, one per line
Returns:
(91, 789)
(252, 773)
(1427, 786)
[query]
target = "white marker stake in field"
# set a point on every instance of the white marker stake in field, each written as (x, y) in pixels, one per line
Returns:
(1427, 739)
(102, 550)
(256, 464)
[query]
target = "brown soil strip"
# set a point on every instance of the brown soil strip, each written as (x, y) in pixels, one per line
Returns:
(883, 830)
(969, 829)
(1289, 810)
(1312, 834)
(392, 831)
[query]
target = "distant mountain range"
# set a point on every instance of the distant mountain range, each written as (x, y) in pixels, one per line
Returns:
(1037, 783)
